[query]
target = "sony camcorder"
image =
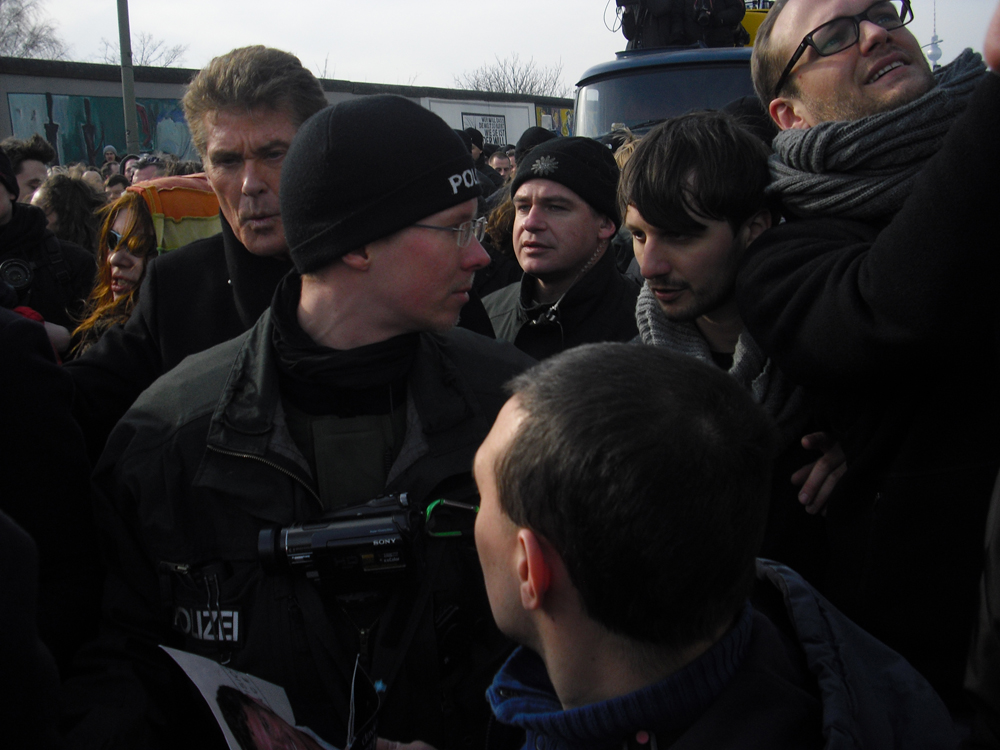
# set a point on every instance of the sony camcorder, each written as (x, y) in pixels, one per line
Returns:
(360, 548)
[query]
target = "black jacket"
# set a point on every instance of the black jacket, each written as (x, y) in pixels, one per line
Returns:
(894, 328)
(191, 299)
(62, 273)
(599, 307)
(45, 485)
(201, 463)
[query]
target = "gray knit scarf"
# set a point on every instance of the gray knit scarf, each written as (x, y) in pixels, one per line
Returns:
(751, 368)
(864, 169)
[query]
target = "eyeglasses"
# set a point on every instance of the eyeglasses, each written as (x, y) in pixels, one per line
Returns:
(466, 230)
(841, 33)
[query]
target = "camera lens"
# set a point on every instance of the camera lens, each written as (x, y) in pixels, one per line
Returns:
(17, 273)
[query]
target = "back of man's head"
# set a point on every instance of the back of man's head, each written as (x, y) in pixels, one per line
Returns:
(648, 472)
(251, 78)
(702, 163)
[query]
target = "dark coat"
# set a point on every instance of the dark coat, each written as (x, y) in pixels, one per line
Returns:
(29, 681)
(894, 328)
(599, 307)
(46, 485)
(810, 678)
(63, 273)
(982, 678)
(193, 472)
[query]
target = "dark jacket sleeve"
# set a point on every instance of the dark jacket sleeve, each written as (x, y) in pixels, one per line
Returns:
(125, 687)
(835, 300)
(113, 372)
(982, 678)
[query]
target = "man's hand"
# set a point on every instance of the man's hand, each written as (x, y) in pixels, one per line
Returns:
(382, 744)
(991, 47)
(820, 477)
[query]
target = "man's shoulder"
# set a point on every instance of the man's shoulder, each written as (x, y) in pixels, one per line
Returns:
(866, 688)
(75, 255)
(201, 256)
(502, 300)
(189, 391)
(485, 363)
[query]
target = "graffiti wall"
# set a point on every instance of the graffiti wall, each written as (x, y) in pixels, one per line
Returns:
(555, 118)
(79, 127)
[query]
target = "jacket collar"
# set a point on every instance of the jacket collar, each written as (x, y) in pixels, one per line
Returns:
(253, 278)
(442, 413)
(579, 299)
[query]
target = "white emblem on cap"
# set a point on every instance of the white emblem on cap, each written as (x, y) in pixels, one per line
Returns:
(545, 165)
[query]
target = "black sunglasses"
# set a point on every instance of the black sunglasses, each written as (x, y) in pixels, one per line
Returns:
(115, 240)
(843, 32)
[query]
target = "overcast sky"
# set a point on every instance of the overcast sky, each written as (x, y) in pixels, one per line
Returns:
(412, 42)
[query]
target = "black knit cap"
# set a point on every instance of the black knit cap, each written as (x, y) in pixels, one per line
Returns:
(530, 138)
(342, 185)
(7, 176)
(583, 165)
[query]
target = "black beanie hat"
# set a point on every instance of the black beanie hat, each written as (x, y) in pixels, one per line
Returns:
(341, 182)
(530, 138)
(465, 139)
(7, 176)
(476, 137)
(583, 165)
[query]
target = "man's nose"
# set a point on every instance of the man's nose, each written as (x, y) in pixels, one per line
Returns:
(871, 35)
(476, 257)
(653, 260)
(253, 178)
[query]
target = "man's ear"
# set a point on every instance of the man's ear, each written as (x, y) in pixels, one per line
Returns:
(755, 226)
(788, 114)
(359, 260)
(606, 229)
(534, 571)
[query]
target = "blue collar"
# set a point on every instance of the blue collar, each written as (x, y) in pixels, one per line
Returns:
(522, 695)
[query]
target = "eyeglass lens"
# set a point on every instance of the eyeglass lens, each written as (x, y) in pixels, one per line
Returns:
(841, 33)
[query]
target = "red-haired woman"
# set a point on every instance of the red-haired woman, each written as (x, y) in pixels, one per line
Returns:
(126, 243)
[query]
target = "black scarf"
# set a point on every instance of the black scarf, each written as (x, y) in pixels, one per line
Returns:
(319, 380)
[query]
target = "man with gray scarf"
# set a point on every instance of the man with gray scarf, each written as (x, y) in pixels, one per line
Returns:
(692, 197)
(877, 295)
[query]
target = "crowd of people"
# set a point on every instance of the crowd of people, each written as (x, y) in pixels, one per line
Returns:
(561, 446)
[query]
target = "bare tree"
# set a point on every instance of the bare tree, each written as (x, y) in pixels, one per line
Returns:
(25, 32)
(146, 50)
(511, 76)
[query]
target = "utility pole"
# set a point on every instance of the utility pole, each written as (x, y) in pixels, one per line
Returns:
(128, 80)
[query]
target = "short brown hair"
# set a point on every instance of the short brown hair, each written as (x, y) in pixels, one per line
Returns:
(765, 64)
(648, 471)
(702, 163)
(250, 78)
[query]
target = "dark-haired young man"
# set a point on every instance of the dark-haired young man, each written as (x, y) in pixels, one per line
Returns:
(623, 497)
(692, 195)
(878, 294)
(30, 159)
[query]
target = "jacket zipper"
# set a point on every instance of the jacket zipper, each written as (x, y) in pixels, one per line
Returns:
(273, 465)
